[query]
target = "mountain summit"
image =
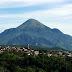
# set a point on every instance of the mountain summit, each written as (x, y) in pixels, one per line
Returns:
(32, 32)
(31, 23)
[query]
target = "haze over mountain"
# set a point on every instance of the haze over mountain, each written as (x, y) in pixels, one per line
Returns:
(32, 32)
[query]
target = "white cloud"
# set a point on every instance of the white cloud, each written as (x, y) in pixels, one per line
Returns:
(22, 3)
(37, 0)
(68, 17)
(64, 10)
(40, 1)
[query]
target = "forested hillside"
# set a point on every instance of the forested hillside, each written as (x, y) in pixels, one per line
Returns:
(33, 32)
(21, 62)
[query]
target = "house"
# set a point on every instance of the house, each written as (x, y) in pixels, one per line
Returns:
(69, 55)
(21, 49)
(32, 50)
(1, 51)
(9, 49)
(60, 54)
(18, 49)
(28, 53)
(49, 55)
(25, 49)
(36, 53)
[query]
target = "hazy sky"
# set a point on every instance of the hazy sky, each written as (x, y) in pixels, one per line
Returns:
(52, 13)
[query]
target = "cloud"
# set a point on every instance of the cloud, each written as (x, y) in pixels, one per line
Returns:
(63, 12)
(40, 1)
(23, 3)
(68, 17)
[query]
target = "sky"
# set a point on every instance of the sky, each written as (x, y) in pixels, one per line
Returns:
(52, 13)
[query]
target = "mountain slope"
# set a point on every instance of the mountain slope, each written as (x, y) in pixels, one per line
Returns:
(32, 32)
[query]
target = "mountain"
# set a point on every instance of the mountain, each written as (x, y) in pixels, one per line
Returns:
(33, 32)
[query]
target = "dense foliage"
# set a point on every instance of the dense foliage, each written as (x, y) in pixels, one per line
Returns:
(20, 62)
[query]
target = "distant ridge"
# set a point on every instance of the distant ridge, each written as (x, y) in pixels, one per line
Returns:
(32, 32)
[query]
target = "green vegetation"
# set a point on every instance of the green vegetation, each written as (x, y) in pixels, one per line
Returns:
(32, 32)
(20, 62)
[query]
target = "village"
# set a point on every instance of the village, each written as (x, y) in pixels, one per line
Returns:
(36, 52)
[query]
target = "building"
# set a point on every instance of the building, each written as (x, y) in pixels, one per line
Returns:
(36, 52)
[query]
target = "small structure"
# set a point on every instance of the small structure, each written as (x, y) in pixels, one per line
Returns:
(24, 49)
(69, 55)
(60, 53)
(49, 55)
(36, 53)
(1, 51)
(18, 48)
